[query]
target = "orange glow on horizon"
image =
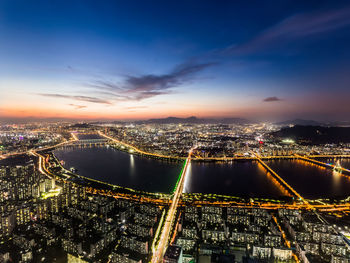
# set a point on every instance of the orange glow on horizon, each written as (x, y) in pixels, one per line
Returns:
(71, 113)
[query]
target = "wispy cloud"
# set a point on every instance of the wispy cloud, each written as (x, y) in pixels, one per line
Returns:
(77, 107)
(272, 99)
(78, 98)
(136, 107)
(136, 88)
(295, 27)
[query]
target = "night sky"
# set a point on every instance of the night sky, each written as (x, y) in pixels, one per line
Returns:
(261, 60)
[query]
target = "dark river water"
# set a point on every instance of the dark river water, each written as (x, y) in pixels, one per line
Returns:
(120, 168)
(344, 162)
(310, 180)
(241, 178)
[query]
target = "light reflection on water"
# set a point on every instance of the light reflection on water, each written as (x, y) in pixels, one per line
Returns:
(311, 180)
(247, 178)
(188, 177)
(132, 165)
(242, 178)
(121, 168)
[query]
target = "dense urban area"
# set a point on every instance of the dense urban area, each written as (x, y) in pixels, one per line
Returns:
(53, 214)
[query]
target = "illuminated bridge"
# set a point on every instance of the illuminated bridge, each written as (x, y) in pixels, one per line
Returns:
(101, 141)
(327, 165)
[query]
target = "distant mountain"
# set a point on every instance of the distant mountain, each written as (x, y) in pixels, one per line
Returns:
(234, 121)
(340, 123)
(300, 122)
(195, 120)
(81, 125)
(315, 134)
(25, 120)
(173, 120)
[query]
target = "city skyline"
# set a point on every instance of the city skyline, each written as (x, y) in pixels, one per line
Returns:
(175, 131)
(125, 61)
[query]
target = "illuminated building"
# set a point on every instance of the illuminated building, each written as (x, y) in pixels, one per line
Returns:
(173, 254)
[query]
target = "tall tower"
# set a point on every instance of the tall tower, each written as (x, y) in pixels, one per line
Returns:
(337, 167)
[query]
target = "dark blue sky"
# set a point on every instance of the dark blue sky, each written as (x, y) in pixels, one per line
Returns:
(140, 59)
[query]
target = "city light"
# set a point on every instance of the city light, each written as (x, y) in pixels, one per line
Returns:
(175, 131)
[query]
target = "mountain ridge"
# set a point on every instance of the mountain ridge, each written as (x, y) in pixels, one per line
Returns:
(195, 120)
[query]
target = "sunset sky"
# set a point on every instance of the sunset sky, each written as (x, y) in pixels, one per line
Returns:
(261, 60)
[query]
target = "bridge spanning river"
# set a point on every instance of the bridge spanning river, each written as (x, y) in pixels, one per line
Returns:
(102, 141)
(162, 238)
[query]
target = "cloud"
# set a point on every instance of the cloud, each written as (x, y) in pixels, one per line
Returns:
(136, 107)
(77, 107)
(78, 98)
(272, 99)
(136, 88)
(294, 27)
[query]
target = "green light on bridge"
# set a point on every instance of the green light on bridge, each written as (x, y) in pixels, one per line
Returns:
(178, 179)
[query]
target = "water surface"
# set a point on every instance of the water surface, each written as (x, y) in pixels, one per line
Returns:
(120, 168)
(241, 178)
(344, 162)
(310, 180)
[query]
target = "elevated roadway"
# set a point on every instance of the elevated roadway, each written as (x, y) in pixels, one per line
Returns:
(283, 182)
(164, 236)
(327, 165)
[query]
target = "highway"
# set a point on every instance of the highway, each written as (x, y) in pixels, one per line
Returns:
(290, 188)
(163, 236)
(74, 138)
(162, 245)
